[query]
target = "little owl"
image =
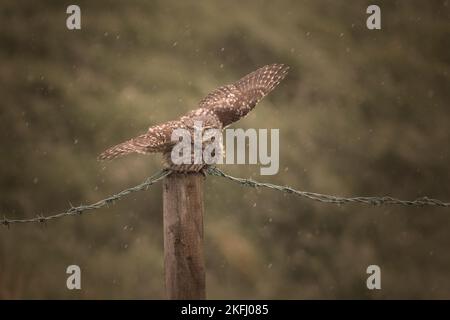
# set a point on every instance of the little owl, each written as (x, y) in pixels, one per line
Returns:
(217, 110)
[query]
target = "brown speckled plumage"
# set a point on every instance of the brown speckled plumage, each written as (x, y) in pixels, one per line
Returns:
(218, 109)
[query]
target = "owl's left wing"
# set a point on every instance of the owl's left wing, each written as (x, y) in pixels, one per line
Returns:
(247, 92)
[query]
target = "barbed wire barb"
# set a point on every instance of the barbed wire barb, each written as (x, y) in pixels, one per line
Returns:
(374, 201)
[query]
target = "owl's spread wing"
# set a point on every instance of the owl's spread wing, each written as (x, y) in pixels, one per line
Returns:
(235, 100)
(157, 139)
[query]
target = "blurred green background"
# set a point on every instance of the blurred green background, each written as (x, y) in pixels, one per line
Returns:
(361, 113)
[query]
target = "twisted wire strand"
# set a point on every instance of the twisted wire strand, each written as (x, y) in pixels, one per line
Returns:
(375, 201)
(214, 171)
(97, 205)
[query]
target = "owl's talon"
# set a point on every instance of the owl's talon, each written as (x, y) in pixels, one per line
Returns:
(204, 172)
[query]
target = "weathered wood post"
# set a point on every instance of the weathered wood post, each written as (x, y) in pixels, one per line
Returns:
(184, 263)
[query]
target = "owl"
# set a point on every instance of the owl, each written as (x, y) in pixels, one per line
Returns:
(219, 109)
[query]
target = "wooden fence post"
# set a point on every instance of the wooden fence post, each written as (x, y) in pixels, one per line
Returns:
(184, 263)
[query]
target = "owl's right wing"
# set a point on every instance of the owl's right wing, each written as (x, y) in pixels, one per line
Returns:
(157, 139)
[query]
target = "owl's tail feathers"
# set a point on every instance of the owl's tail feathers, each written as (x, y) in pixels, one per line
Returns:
(138, 144)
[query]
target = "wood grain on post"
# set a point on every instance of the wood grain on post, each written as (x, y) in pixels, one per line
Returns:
(183, 236)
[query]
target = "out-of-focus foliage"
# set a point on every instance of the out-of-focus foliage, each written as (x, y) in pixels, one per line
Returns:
(361, 113)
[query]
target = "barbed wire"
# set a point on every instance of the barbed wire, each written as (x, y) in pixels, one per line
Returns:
(97, 205)
(214, 171)
(387, 200)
